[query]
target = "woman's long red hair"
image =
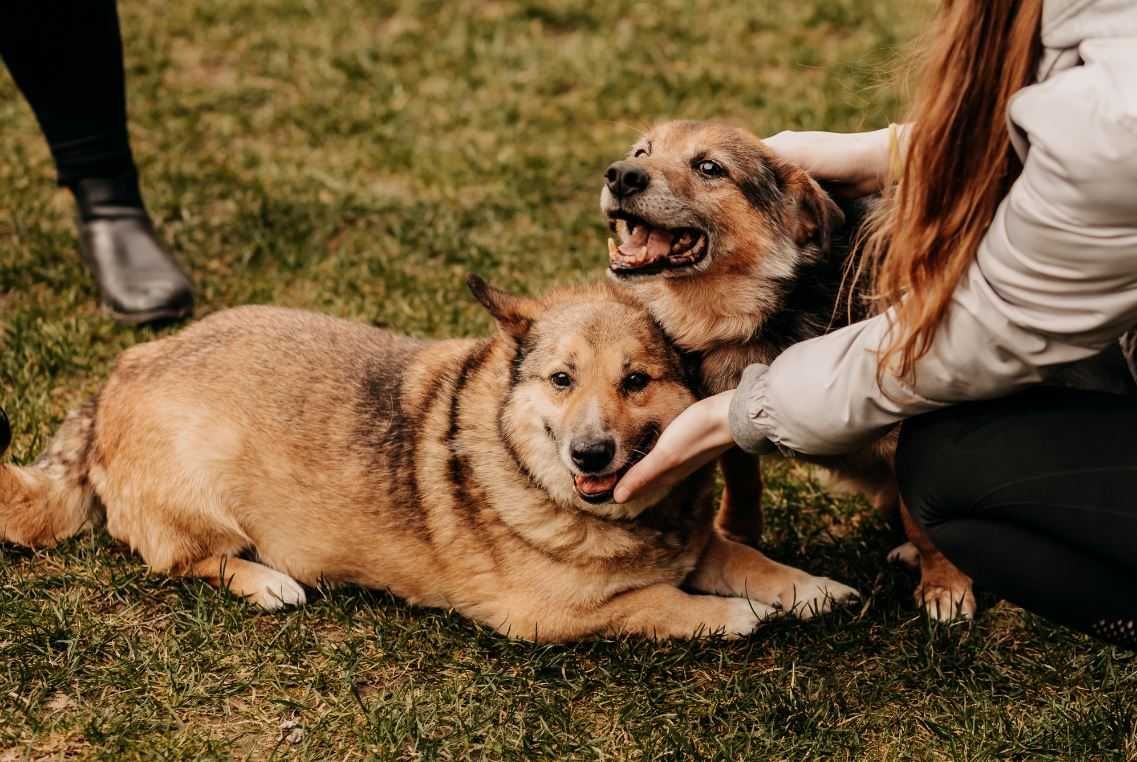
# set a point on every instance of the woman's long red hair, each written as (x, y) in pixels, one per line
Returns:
(958, 165)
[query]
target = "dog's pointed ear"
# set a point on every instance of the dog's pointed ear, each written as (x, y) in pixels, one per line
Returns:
(816, 215)
(514, 314)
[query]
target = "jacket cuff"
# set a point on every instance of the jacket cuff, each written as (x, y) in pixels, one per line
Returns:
(749, 425)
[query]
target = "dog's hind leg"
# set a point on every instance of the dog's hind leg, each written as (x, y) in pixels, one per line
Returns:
(266, 587)
(740, 513)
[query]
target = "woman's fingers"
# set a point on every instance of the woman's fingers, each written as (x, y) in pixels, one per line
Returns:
(795, 147)
(853, 164)
(661, 472)
(657, 469)
(698, 435)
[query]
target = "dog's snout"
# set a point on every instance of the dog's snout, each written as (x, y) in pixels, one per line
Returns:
(592, 455)
(626, 178)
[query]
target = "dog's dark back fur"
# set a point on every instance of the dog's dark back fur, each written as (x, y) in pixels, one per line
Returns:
(822, 294)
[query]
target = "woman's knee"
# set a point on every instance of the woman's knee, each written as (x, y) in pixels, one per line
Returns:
(936, 472)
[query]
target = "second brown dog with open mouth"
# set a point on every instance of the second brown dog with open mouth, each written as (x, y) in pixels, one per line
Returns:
(739, 255)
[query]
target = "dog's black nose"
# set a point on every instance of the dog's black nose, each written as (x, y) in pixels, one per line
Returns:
(625, 178)
(592, 455)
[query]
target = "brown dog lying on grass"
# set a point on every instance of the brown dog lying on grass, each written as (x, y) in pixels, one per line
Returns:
(263, 449)
(740, 255)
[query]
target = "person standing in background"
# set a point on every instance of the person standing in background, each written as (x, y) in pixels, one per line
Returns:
(66, 58)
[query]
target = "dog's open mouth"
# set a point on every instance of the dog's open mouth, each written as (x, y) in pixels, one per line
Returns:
(645, 249)
(597, 489)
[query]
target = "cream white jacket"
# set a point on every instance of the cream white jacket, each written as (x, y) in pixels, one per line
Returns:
(1055, 278)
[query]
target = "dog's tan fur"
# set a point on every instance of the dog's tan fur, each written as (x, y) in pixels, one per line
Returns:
(266, 449)
(769, 227)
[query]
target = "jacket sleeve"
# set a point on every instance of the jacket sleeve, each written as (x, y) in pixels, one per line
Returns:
(1054, 280)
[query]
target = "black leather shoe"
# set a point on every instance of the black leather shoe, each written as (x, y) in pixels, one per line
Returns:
(137, 277)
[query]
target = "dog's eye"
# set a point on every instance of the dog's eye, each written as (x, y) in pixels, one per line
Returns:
(709, 168)
(640, 152)
(635, 382)
(561, 380)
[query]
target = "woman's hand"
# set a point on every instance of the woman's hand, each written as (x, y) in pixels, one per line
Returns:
(697, 436)
(854, 164)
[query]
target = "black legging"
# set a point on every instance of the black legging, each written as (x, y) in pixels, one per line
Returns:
(66, 57)
(1035, 497)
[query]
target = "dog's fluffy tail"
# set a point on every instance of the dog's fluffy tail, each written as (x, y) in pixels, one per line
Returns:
(51, 499)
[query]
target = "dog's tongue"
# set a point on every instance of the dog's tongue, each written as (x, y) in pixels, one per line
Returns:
(644, 246)
(658, 244)
(594, 485)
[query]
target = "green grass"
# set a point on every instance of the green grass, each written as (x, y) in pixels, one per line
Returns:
(358, 158)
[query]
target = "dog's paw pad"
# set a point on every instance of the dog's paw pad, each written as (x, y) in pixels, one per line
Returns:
(905, 554)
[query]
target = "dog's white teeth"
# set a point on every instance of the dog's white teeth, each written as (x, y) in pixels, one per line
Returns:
(682, 242)
(612, 249)
(637, 255)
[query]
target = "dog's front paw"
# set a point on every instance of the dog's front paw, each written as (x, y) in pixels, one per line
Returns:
(809, 596)
(276, 591)
(946, 602)
(744, 616)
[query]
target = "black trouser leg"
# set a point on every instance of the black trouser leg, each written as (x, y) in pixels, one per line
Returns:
(1035, 497)
(66, 57)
